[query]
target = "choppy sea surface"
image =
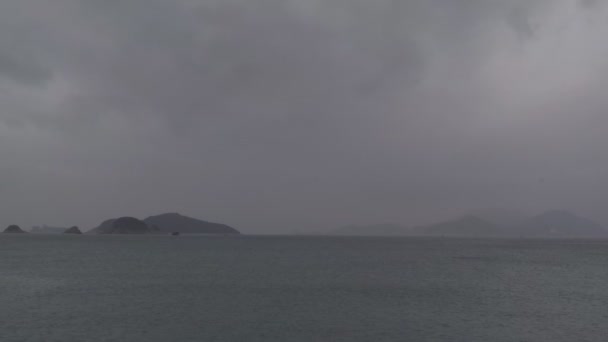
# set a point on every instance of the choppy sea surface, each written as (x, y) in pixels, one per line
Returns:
(157, 288)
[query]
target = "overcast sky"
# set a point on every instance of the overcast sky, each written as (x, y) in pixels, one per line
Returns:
(295, 115)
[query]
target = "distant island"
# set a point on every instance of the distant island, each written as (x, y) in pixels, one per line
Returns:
(551, 224)
(162, 224)
(483, 224)
(73, 230)
(171, 223)
(14, 229)
(124, 225)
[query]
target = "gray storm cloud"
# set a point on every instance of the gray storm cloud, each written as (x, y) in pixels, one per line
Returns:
(284, 115)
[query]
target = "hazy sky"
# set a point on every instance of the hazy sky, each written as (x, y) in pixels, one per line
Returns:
(287, 115)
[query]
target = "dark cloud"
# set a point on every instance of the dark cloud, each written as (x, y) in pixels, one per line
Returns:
(590, 3)
(281, 115)
(21, 72)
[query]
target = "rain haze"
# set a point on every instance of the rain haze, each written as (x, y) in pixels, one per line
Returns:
(281, 116)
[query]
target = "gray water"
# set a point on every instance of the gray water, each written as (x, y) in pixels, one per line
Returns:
(157, 288)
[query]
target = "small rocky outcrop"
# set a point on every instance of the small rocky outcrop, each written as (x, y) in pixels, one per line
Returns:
(73, 230)
(14, 229)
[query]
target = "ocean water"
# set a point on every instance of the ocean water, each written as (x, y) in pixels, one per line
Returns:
(157, 288)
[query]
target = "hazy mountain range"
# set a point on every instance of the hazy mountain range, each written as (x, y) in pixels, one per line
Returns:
(551, 224)
(482, 223)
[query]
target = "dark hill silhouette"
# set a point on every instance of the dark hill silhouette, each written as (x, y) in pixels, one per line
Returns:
(105, 226)
(73, 230)
(14, 229)
(123, 225)
(173, 222)
(560, 224)
(129, 225)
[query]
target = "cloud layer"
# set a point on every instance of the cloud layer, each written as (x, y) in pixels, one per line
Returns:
(290, 115)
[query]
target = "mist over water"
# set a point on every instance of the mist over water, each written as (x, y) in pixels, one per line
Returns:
(158, 288)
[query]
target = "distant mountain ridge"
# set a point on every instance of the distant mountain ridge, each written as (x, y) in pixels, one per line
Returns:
(551, 224)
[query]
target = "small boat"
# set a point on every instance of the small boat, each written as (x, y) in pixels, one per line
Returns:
(175, 234)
